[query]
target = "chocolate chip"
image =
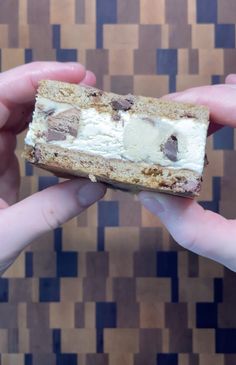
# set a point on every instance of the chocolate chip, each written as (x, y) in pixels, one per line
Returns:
(116, 116)
(96, 93)
(170, 148)
(206, 162)
(121, 104)
(37, 154)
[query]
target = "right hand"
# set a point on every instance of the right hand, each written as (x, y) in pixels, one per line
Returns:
(201, 231)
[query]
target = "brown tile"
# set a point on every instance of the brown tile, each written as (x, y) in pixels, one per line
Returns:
(128, 11)
(97, 264)
(121, 340)
(122, 84)
(153, 289)
(97, 61)
(176, 315)
(150, 36)
(152, 12)
(79, 315)
(145, 358)
(4, 341)
(61, 315)
(204, 341)
(129, 213)
(118, 270)
(176, 11)
(78, 36)
(9, 11)
(8, 318)
(209, 268)
(226, 11)
(144, 61)
(62, 12)
(193, 61)
(230, 156)
(20, 290)
(179, 36)
(41, 35)
(44, 359)
(124, 290)
(44, 264)
(211, 359)
(119, 358)
(40, 340)
(38, 313)
(230, 359)
(71, 289)
(151, 239)
(80, 11)
(225, 317)
(227, 209)
(193, 359)
(211, 61)
(82, 219)
(38, 12)
(203, 36)
(180, 340)
(94, 289)
(144, 264)
(127, 315)
(13, 35)
(196, 289)
(152, 315)
(193, 267)
(97, 359)
(13, 340)
(81, 341)
(120, 36)
(229, 66)
(153, 86)
(118, 68)
(150, 340)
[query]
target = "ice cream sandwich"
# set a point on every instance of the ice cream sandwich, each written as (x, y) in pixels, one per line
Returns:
(129, 142)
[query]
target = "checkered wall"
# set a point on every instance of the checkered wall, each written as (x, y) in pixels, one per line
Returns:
(111, 287)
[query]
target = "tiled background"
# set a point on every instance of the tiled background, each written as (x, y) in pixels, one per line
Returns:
(111, 286)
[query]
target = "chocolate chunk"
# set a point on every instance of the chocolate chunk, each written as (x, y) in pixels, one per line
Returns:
(37, 154)
(96, 93)
(53, 135)
(121, 104)
(45, 112)
(66, 122)
(170, 148)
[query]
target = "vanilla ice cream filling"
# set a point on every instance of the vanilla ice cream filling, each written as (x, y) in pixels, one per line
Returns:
(134, 137)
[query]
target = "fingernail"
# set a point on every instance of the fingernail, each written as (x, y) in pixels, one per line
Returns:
(90, 193)
(153, 203)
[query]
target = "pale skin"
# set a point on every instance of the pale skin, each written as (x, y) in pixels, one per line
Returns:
(201, 231)
(22, 222)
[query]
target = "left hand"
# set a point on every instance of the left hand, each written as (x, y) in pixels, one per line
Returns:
(22, 222)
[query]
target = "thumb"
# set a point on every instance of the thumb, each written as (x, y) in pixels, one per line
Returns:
(44, 211)
(201, 231)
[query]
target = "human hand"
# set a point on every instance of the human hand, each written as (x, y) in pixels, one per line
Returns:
(22, 222)
(201, 231)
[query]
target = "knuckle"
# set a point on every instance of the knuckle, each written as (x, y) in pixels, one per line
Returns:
(50, 215)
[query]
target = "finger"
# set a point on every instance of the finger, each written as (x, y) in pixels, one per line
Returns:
(89, 79)
(231, 79)
(43, 211)
(219, 98)
(19, 84)
(201, 231)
